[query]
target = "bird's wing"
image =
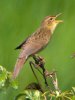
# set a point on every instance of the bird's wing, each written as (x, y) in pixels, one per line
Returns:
(24, 42)
(19, 47)
(30, 48)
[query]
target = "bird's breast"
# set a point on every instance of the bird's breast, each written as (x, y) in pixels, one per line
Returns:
(45, 36)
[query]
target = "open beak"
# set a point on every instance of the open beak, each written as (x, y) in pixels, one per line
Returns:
(58, 15)
(58, 21)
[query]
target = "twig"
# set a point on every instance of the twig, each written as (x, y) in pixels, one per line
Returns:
(53, 76)
(31, 63)
(40, 63)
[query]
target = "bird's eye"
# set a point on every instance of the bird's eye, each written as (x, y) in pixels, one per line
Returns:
(51, 18)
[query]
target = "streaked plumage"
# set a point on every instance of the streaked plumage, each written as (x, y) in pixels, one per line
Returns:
(36, 42)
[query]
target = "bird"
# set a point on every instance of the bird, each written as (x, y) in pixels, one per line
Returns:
(36, 42)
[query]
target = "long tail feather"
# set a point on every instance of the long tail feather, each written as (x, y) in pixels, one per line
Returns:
(19, 64)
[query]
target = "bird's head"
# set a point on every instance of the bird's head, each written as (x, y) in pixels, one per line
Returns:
(51, 22)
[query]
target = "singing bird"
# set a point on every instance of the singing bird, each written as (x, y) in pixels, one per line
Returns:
(36, 42)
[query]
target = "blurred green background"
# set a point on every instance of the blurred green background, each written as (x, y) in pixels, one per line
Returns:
(18, 19)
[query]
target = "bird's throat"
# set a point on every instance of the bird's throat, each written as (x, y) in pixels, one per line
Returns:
(53, 28)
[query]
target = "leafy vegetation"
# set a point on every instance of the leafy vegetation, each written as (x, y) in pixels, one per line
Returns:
(31, 92)
(19, 19)
(6, 80)
(47, 95)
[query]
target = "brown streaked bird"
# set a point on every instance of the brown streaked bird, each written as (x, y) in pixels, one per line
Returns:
(36, 42)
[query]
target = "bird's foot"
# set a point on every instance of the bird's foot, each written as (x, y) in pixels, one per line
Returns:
(38, 60)
(35, 66)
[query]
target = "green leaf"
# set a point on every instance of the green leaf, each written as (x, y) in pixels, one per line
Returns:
(30, 95)
(73, 89)
(73, 98)
(6, 79)
(14, 84)
(3, 76)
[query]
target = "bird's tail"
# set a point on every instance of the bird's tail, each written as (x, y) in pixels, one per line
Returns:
(19, 64)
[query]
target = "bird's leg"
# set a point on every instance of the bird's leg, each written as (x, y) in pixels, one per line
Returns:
(40, 62)
(35, 65)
